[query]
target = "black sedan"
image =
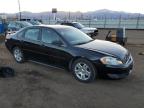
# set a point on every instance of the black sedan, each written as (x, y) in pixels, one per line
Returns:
(69, 48)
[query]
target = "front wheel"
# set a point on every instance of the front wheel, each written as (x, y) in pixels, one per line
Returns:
(83, 70)
(18, 54)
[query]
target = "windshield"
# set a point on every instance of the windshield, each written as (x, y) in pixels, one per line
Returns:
(25, 24)
(78, 25)
(74, 36)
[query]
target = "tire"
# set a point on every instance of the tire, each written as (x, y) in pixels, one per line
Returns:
(83, 70)
(7, 72)
(18, 55)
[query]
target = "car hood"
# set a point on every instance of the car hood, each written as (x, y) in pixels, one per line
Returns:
(105, 47)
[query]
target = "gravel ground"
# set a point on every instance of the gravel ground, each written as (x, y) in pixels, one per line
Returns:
(37, 86)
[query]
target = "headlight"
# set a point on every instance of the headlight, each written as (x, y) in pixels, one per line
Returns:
(110, 61)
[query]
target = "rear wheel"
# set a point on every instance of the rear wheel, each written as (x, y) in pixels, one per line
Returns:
(83, 70)
(18, 54)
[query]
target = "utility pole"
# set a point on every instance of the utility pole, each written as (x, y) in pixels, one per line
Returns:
(120, 18)
(105, 21)
(19, 9)
(138, 20)
(69, 15)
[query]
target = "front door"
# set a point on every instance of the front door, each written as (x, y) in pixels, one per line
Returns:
(54, 49)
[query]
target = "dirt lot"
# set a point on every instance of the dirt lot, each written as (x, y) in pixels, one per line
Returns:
(134, 36)
(37, 86)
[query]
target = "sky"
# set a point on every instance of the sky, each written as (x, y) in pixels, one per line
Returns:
(11, 6)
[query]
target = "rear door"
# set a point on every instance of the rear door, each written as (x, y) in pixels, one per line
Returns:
(31, 43)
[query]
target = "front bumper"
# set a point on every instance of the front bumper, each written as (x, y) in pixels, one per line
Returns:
(117, 72)
(95, 33)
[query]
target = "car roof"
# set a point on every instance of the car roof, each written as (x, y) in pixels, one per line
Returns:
(53, 26)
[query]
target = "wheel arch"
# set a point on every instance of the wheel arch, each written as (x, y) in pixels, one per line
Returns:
(73, 59)
(14, 46)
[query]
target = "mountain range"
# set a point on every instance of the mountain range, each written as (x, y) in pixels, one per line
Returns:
(99, 14)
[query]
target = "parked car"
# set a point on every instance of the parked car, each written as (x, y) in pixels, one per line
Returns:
(32, 21)
(68, 47)
(88, 30)
(35, 22)
(14, 26)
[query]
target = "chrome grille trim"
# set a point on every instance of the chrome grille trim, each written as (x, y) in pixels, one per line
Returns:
(129, 59)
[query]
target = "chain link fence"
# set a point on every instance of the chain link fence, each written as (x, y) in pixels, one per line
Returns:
(130, 23)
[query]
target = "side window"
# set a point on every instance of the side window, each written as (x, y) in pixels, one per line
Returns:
(18, 25)
(32, 34)
(11, 24)
(49, 36)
